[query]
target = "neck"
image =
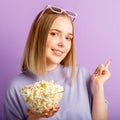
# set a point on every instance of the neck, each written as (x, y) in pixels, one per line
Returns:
(51, 66)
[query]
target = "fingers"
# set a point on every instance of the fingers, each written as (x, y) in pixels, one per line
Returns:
(99, 69)
(102, 69)
(51, 112)
(108, 64)
(29, 112)
(101, 73)
(56, 109)
(45, 114)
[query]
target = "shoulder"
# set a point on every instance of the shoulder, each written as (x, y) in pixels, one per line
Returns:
(83, 77)
(82, 73)
(22, 79)
(82, 69)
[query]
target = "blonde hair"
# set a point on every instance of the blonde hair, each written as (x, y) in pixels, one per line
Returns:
(34, 58)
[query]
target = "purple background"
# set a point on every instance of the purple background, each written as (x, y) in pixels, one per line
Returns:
(97, 31)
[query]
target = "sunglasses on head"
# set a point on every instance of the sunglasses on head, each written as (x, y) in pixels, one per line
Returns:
(57, 10)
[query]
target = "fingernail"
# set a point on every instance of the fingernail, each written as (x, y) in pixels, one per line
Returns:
(46, 113)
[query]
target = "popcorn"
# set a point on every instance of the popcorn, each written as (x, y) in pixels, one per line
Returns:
(42, 95)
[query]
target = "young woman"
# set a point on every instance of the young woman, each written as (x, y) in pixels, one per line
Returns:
(49, 54)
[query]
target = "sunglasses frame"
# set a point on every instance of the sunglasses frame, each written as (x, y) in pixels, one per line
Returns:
(52, 8)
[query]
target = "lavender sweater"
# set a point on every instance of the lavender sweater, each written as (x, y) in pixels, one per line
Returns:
(76, 101)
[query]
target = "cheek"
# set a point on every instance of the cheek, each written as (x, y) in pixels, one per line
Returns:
(47, 47)
(48, 43)
(69, 47)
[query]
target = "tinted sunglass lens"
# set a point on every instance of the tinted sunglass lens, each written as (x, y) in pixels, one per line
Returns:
(56, 9)
(71, 13)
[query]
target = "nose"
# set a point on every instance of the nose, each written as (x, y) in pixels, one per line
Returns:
(60, 44)
(61, 41)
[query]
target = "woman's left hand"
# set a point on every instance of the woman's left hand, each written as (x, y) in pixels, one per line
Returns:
(101, 74)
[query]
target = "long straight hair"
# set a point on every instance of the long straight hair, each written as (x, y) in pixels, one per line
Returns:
(34, 57)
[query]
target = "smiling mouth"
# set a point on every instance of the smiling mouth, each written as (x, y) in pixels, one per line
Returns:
(57, 52)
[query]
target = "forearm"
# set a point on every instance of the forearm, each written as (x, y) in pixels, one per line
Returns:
(99, 111)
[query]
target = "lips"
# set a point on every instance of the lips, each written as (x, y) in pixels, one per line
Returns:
(57, 52)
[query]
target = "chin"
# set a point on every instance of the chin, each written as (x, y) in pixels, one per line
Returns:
(55, 61)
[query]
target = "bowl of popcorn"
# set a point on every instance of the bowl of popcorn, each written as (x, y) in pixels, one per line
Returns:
(42, 96)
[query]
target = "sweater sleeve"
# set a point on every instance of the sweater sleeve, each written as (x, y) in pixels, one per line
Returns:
(12, 108)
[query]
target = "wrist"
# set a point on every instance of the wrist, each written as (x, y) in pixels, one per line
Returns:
(98, 87)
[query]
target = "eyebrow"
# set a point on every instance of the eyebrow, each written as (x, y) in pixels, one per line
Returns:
(61, 31)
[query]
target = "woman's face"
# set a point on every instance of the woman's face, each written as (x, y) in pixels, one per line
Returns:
(59, 41)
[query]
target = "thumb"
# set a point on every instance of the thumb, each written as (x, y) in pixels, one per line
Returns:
(28, 112)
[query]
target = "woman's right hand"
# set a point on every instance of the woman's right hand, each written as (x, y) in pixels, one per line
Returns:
(46, 114)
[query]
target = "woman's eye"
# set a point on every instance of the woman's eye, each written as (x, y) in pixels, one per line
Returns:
(69, 38)
(53, 34)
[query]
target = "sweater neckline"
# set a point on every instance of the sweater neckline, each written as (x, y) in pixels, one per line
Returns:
(51, 72)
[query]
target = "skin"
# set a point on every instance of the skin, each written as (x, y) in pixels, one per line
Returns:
(57, 47)
(99, 77)
(59, 42)
(46, 114)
